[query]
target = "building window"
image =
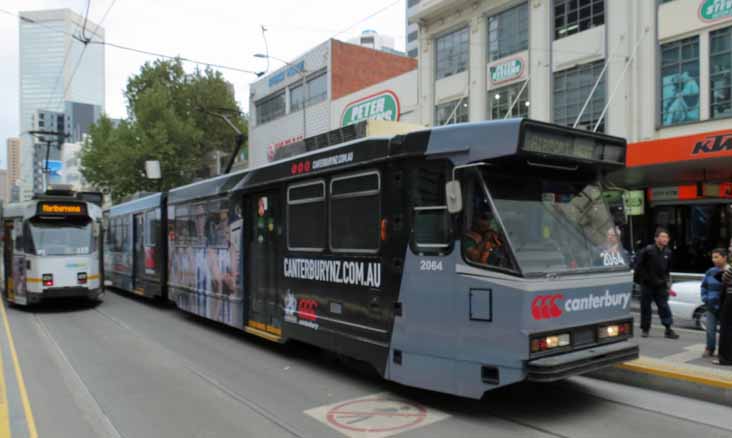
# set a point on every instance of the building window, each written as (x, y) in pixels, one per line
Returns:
(571, 88)
(355, 213)
(452, 53)
(271, 108)
(412, 36)
(412, 53)
(317, 89)
(573, 16)
(455, 111)
(680, 81)
(500, 101)
(508, 32)
(296, 98)
(720, 72)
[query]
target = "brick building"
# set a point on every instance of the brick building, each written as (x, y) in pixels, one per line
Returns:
(344, 83)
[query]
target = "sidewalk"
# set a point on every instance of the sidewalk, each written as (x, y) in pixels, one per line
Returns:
(674, 366)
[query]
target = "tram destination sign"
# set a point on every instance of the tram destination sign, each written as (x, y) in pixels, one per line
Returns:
(60, 209)
(542, 141)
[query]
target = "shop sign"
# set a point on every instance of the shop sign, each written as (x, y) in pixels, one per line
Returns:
(713, 10)
(634, 202)
(381, 106)
(506, 71)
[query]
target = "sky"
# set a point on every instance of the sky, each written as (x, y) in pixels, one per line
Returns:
(226, 32)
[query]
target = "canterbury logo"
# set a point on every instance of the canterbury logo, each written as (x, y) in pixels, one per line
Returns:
(306, 309)
(545, 307)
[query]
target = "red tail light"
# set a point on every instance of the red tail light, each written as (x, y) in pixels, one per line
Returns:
(47, 280)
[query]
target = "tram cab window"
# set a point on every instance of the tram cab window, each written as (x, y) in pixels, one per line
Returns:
(554, 224)
(355, 212)
(431, 220)
(306, 216)
(483, 241)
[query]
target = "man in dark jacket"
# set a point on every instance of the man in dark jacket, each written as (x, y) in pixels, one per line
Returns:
(654, 272)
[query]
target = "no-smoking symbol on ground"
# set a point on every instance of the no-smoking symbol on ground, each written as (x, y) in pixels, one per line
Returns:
(376, 415)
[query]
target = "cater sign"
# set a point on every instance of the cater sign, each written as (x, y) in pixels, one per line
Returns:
(506, 71)
(713, 10)
(554, 305)
(380, 106)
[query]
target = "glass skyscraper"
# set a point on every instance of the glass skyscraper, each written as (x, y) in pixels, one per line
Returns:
(49, 56)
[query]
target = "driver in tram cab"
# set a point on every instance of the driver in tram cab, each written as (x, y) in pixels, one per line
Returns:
(483, 244)
(612, 252)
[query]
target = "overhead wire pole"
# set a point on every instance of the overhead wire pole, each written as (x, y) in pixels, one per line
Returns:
(622, 76)
(597, 82)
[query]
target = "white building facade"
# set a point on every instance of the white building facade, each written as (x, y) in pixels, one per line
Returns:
(55, 68)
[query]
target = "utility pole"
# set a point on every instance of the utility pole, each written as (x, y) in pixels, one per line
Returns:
(48, 137)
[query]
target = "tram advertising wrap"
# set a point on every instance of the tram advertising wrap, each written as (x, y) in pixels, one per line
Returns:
(458, 259)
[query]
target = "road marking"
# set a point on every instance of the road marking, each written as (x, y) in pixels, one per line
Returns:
(4, 414)
(32, 431)
(692, 352)
(375, 416)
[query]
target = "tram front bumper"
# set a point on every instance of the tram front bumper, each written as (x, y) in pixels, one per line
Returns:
(549, 369)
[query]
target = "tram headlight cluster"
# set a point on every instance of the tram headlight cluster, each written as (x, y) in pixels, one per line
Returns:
(614, 330)
(546, 343)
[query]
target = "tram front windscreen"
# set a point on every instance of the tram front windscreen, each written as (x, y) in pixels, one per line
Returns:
(552, 224)
(60, 237)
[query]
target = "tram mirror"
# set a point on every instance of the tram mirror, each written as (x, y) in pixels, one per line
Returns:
(454, 195)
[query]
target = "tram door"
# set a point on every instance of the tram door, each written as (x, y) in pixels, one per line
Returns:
(138, 254)
(8, 259)
(265, 251)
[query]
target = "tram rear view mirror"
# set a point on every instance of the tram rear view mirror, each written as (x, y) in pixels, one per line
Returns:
(454, 196)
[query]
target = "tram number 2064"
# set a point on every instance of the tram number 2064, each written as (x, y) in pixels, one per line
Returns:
(430, 265)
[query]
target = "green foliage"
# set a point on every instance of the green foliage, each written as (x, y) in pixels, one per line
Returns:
(168, 120)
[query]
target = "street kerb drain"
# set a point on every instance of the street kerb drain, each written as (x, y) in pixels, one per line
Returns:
(379, 415)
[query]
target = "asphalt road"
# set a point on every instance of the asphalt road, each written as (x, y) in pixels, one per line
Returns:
(131, 368)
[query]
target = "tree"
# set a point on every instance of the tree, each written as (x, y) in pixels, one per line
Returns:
(169, 120)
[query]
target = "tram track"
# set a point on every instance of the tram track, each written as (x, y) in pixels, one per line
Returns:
(190, 367)
(84, 398)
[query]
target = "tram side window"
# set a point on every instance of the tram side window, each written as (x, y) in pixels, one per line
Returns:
(182, 225)
(484, 241)
(217, 223)
(355, 212)
(431, 221)
(306, 216)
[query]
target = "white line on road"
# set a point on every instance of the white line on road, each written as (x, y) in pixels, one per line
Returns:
(93, 413)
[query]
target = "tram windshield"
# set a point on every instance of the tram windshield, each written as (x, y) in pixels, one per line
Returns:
(60, 238)
(551, 224)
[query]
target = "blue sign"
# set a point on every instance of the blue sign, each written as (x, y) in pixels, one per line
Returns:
(293, 70)
(54, 171)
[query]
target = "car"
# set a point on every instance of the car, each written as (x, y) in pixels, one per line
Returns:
(686, 304)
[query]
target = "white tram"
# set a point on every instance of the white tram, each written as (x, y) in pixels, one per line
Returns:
(52, 248)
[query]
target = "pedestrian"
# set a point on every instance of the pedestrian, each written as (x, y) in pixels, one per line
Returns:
(653, 267)
(725, 319)
(711, 293)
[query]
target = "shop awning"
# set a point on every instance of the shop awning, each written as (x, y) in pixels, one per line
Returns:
(689, 159)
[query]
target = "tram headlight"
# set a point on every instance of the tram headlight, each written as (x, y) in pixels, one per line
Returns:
(545, 343)
(47, 280)
(614, 330)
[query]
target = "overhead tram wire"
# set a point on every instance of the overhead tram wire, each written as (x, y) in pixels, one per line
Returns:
(132, 49)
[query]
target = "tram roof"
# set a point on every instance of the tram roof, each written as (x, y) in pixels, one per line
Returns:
(462, 143)
(206, 188)
(143, 203)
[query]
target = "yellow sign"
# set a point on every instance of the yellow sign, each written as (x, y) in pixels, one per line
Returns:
(60, 208)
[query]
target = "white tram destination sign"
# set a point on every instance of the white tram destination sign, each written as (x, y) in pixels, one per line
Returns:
(366, 274)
